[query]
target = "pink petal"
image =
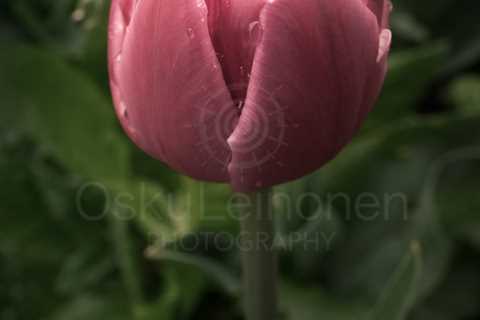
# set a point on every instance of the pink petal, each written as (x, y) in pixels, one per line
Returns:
(310, 81)
(377, 75)
(232, 25)
(168, 86)
(381, 9)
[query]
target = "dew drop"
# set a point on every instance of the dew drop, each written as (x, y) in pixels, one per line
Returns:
(190, 33)
(220, 57)
(122, 108)
(256, 32)
(242, 71)
(240, 104)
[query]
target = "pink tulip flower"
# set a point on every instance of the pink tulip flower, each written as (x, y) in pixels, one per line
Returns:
(249, 92)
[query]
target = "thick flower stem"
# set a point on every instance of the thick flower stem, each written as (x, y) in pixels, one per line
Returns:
(259, 258)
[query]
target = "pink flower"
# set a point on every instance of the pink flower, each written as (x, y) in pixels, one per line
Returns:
(249, 92)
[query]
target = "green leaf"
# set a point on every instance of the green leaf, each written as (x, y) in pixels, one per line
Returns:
(211, 268)
(45, 244)
(397, 161)
(183, 286)
(64, 110)
(312, 303)
(406, 26)
(93, 307)
(399, 296)
(464, 93)
(401, 91)
(208, 205)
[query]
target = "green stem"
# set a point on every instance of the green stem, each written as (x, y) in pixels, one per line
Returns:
(259, 258)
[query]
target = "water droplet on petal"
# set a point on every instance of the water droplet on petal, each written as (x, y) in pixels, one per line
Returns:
(122, 108)
(200, 4)
(190, 33)
(242, 71)
(256, 32)
(240, 104)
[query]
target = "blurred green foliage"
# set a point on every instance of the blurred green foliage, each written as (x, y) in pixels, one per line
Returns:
(68, 251)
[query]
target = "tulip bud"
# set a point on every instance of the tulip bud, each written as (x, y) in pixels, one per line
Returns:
(249, 92)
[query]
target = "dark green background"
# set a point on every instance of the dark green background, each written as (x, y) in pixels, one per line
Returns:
(62, 150)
